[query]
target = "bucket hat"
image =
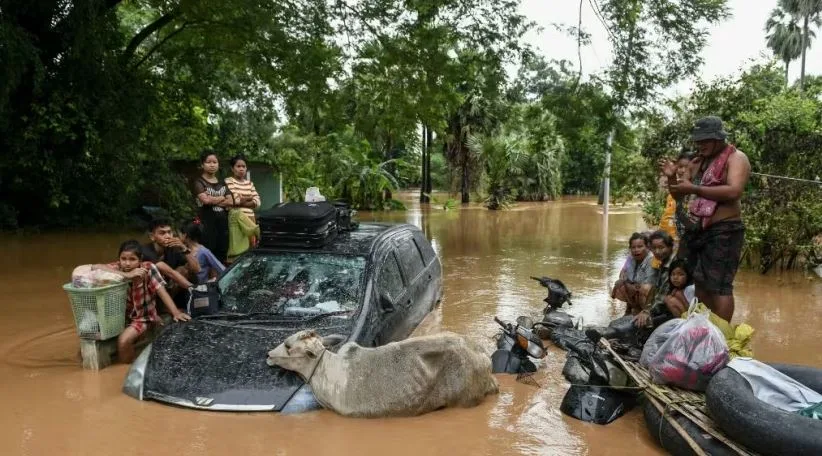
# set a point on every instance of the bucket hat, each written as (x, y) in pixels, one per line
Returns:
(708, 128)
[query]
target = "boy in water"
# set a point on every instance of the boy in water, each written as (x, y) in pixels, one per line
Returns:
(146, 284)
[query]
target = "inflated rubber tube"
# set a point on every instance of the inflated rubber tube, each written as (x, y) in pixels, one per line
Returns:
(669, 439)
(763, 428)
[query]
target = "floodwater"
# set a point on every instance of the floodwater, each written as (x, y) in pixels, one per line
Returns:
(51, 406)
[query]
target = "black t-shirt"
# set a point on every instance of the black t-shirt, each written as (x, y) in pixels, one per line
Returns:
(172, 257)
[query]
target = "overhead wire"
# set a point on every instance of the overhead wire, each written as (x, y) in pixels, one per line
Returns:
(598, 13)
(795, 179)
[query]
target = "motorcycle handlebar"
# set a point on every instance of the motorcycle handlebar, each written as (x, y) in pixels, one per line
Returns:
(501, 323)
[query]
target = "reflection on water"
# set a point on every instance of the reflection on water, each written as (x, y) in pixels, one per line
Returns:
(52, 406)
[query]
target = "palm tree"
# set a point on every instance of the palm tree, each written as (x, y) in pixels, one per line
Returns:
(501, 157)
(784, 37)
(808, 11)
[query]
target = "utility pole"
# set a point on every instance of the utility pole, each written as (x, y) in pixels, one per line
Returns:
(425, 185)
(606, 187)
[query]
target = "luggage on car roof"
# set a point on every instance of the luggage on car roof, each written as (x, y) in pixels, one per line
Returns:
(298, 224)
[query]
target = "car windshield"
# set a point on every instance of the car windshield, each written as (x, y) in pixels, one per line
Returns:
(293, 284)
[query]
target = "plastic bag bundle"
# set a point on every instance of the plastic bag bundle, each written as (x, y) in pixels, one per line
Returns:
(657, 339)
(738, 337)
(84, 277)
(692, 354)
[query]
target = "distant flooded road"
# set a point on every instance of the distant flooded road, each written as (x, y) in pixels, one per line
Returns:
(51, 406)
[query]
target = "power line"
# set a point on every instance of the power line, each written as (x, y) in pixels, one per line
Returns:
(598, 14)
(796, 179)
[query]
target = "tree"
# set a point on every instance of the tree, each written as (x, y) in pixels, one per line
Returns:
(656, 44)
(500, 157)
(784, 37)
(808, 11)
(481, 113)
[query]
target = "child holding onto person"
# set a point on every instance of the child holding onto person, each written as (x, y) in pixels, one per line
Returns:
(146, 284)
(681, 291)
(210, 266)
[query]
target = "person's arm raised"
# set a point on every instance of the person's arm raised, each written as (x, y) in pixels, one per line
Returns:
(739, 170)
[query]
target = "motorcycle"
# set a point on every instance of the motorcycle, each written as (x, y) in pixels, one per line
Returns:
(516, 344)
(559, 327)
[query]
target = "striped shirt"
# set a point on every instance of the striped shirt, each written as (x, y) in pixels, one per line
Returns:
(244, 188)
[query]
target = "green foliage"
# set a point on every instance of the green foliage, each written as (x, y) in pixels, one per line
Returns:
(542, 153)
(440, 175)
(656, 43)
(653, 206)
(342, 165)
(500, 157)
(108, 88)
(97, 97)
(785, 37)
(808, 13)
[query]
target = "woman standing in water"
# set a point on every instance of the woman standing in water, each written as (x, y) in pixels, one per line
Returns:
(213, 199)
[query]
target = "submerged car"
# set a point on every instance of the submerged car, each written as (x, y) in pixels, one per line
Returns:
(373, 285)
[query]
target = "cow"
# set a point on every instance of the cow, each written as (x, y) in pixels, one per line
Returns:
(405, 378)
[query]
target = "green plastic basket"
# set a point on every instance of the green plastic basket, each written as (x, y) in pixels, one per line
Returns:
(99, 313)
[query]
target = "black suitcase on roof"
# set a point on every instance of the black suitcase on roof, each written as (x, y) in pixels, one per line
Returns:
(345, 216)
(298, 224)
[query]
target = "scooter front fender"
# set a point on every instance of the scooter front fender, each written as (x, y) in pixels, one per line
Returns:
(505, 362)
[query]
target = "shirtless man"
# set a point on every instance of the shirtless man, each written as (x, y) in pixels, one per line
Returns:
(713, 250)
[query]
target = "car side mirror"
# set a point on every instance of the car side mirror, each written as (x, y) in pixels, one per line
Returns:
(385, 303)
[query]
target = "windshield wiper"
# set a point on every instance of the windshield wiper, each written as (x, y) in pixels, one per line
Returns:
(222, 315)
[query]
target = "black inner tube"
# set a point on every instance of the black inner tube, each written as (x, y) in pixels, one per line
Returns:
(759, 426)
(669, 439)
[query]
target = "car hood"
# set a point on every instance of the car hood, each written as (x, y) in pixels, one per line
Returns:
(221, 365)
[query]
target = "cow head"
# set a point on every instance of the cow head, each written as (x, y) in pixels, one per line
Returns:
(300, 351)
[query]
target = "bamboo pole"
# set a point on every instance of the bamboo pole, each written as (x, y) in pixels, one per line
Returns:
(660, 393)
(679, 429)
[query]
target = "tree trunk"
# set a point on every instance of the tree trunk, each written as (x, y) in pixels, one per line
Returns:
(804, 51)
(787, 78)
(466, 193)
(389, 154)
(429, 141)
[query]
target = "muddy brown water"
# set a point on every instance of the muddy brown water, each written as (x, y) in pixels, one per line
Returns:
(51, 406)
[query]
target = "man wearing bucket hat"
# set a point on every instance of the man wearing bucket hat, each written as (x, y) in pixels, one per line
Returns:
(713, 248)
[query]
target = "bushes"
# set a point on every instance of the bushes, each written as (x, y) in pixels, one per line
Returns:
(341, 164)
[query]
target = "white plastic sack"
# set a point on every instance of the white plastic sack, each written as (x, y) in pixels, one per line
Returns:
(693, 353)
(312, 195)
(773, 387)
(84, 277)
(88, 322)
(657, 339)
